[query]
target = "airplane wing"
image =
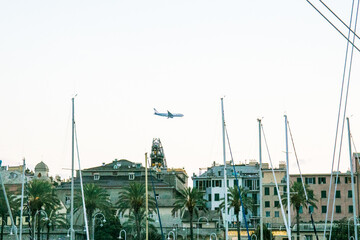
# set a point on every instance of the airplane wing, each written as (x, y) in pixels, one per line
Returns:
(170, 115)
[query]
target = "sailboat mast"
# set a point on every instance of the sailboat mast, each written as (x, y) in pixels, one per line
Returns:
(352, 182)
(22, 199)
(288, 177)
(260, 185)
(72, 173)
(225, 179)
(147, 198)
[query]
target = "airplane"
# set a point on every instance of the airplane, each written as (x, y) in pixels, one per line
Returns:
(168, 114)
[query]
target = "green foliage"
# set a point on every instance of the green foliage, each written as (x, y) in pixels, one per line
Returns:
(340, 230)
(109, 230)
(267, 233)
(41, 194)
(96, 199)
(298, 199)
(4, 213)
(132, 201)
(234, 202)
(191, 200)
(55, 220)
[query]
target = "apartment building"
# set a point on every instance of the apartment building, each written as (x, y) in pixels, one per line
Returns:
(211, 183)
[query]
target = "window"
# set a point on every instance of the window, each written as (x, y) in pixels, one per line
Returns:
(337, 180)
(351, 209)
(209, 197)
(300, 209)
(67, 200)
(276, 204)
(298, 180)
(310, 180)
(275, 191)
(338, 194)
(350, 194)
(267, 191)
(285, 188)
(323, 209)
(277, 214)
(217, 197)
(338, 209)
(216, 183)
(322, 180)
(96, 176)
(348, 180)
(267, 204)
(236, 182)
(323, 194)
(219, 173)
(131, 176)
(311, 209)
(267, 213)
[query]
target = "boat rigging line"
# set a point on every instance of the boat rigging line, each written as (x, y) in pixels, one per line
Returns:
(237, 185)
(277, 186)
(82, 187)
(156, 201)
(352, 182)
(333, 25)
(344, 114)
(302, 181)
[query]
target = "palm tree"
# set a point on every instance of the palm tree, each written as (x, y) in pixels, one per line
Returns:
(267, 233)
(96, 199)
(298, 200)
(40, 194)
(14, 205)
(132, 199)
(234, 202)
(55, 219)
(130, 225)
(191, 200)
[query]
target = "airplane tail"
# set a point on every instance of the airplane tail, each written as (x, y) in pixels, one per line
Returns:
(156, 111)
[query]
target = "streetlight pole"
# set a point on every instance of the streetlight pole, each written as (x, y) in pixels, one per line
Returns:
(172, 234)
(46, 218)
(198, 225)
(212, 235)
(122, 231)
(93, 223)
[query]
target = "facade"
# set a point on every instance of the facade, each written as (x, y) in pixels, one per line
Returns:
(211, 183)
(116, 175)
(272, 215)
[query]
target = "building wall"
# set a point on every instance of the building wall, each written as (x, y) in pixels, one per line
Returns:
(272, 215)
(321, 193)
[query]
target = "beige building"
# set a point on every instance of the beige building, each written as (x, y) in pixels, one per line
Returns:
(319, 183)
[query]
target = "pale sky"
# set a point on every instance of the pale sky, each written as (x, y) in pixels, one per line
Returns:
(123, 58)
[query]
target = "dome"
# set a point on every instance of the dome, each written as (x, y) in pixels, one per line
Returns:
(41, 167)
